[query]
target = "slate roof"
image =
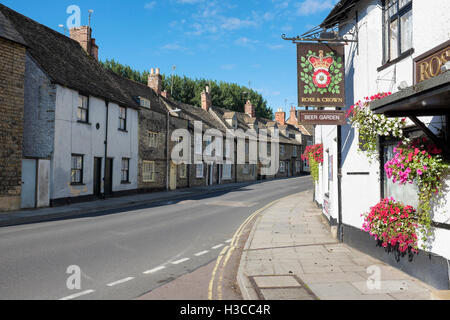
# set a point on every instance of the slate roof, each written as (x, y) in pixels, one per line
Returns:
(7, 31)
(193, 113)
(64, 60)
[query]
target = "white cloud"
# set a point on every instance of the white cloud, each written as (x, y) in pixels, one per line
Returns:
(228, 66)
(308, 7)
(245, 42)
(275, 46)
(173, 47)
(150, 5)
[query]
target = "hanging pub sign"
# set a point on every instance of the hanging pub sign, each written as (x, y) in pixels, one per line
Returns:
(321, 75)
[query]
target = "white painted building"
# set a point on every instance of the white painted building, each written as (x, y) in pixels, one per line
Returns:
(80, 124)
(382, 61)
(86, 140)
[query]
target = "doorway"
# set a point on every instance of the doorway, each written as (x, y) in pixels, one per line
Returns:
(108, 176)
(98, 176)
(28, 195)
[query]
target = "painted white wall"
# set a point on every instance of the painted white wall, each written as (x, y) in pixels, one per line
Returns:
(72, 137)
(43, 184)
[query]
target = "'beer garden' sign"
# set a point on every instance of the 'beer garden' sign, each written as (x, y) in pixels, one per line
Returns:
(321, 75)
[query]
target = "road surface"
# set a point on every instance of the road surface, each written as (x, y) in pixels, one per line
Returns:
(127, 253)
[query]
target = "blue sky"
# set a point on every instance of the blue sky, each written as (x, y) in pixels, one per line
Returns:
(234, 41)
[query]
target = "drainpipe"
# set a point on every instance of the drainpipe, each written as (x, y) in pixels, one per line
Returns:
(339, 163)
(106, 148)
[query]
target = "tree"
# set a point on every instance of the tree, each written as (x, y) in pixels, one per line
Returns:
(225, 95)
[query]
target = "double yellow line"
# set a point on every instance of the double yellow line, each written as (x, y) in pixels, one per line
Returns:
(228, 251)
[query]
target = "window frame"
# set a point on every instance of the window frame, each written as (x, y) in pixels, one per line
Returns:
(81, 170)
(183, 172)
(282, 149)
(386, 30)
(197, 171)
(82, 108)
(282, 167)
(152, 137)
(124, 119)
(228, 176)
(127, 170)
(152, 171)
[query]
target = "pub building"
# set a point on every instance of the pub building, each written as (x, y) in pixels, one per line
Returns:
(399, 49)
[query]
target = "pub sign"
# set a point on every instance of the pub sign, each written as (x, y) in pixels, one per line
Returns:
(321, 75)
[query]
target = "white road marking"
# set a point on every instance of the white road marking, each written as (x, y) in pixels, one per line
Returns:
(112, 284)
(181, 261)
(229, 241)
(218, 246)
(201, 253)
(77, 295)
(154, 270)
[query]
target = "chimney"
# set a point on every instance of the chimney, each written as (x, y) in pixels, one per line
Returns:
(206, 99)
(250, 109)
(280, 117)
(293, 116)
(83, 35)
(166, 94)
(155, 81)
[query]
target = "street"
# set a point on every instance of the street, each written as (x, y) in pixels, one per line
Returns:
(125, 254)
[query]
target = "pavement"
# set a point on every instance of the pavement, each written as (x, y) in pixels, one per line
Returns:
(45, 214)
(291, 254)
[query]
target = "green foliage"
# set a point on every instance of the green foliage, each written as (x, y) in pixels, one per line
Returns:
(225, 95)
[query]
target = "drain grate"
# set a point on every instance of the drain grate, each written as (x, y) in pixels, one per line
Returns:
(281, 287)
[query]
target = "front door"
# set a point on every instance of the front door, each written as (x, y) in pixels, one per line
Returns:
(28, 195)
(108, 176)
(173, 176)
(97, 176)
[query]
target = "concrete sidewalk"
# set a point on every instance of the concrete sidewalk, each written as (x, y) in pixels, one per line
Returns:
(291, 255)
(98, 206)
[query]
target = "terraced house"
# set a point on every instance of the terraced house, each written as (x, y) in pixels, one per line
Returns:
(74, 131)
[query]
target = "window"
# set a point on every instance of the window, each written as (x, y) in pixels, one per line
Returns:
(226, 175)
(83, 109)
(398, 28)
(294, 151)
(198, 144)
(183, 171)
(153, 139)
(282, 166)
(245, 169)
(282, 149)
(247, 147)
(148, 171)
(125, 170)
(199, 170)
(122, 118)
(298, 166)
(77, 169)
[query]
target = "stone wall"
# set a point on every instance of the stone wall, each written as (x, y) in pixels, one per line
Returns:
(12, 73)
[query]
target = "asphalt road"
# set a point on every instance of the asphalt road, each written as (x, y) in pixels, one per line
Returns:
(125, 254)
